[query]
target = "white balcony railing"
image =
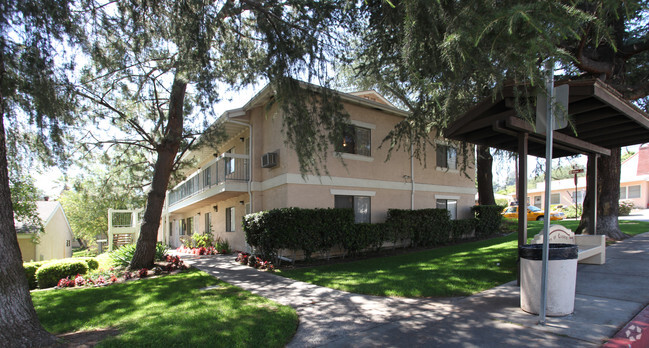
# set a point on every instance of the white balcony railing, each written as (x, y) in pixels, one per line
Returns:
(227, 167)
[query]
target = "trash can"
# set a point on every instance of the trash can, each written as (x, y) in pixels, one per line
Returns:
(562, 278)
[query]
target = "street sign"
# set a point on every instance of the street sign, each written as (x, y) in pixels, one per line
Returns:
(577, 171)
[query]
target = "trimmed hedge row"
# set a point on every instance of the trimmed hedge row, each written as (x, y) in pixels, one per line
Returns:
(30, 272)
(32, 268)
(50, 273)
(320, 230)
(489, 217)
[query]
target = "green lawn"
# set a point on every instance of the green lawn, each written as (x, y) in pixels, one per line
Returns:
(170, 311)
(456, 270)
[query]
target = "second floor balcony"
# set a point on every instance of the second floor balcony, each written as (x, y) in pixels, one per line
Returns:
(213, 179)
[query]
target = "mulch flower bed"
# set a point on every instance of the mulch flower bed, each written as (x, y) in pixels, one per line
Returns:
(171, 265)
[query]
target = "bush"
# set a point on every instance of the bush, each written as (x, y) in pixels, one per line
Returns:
(625, 208)
(489, 219)
(462, 228)
(49, 274)
(124, 254)
(93, 264)
(309, 230)
(30, 272)
(423, 227)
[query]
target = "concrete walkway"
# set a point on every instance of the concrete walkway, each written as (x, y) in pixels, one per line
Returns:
(608, 296)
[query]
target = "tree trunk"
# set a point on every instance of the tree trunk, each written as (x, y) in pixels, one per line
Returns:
(19, 325)
(167, 150)
(485, 176)
(608, 196)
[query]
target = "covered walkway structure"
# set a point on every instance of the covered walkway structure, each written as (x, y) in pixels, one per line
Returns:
(599, 120)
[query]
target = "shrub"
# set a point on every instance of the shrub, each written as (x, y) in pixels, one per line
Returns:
(625, 208)
(423, 227)
(30, 272)
(124, 254)
(489, 219)
(309, 230)
(201, 240)
(222, 246)
(48, 275)
(462, 228)
(93, 264)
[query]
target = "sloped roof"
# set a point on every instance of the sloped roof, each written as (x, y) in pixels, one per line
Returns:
(45, 210)
(601, 120)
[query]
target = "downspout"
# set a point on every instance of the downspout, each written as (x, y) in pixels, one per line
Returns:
(250, 157)
(412, 176)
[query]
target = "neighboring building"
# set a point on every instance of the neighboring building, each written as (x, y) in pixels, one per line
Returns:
(634, 184)
(255, 170)
(56, 240)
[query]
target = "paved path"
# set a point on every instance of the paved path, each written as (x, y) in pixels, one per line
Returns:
(608, 296)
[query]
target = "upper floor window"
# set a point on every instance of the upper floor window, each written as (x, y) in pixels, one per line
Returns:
(357, 140)
(446, 157)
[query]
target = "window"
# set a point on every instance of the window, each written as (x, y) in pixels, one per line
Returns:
(207, 177)
(183, 227)
(446, 157)
(357, 140)
(511, 210)
(622, 192)
(190, 226)
(360, 204)
(248, 208)
(537, 201)
(555, 198)
(229, 219)
(208, 222)
(450, 205)
(633, 191)
(229, 163)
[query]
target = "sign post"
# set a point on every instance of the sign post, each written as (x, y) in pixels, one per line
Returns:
(575, 172)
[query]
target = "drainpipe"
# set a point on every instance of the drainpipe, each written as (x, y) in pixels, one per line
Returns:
(249, 159)
(412, 176)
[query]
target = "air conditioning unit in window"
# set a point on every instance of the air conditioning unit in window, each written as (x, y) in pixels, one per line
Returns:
(269, 160)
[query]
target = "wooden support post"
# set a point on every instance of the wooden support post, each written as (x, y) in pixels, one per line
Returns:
(592, 185)
(522, 195)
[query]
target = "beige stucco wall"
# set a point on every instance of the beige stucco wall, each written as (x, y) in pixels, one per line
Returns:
(217, 219)
(27, 248)
(284, 186)
(55, 242)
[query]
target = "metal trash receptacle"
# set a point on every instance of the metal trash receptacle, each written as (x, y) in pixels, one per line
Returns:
(562, 278)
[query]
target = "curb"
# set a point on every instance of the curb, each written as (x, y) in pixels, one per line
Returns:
(635, 334)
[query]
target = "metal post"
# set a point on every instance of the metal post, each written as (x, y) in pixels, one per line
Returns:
(548, 180)
(522, 196)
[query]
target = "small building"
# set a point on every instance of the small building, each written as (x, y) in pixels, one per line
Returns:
(634, 184)
(55, 242)
(255, 170)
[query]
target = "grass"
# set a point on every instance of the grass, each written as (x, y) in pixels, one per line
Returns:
(456, 270)
(170, 311)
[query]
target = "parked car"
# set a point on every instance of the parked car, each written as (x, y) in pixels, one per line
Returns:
(533, 213)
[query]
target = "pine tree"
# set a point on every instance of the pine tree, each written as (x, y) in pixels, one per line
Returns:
(158, 64)
(34, 92)
(441, 57)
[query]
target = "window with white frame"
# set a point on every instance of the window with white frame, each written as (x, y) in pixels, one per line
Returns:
(555, 198)
(360, 204)
(208, 222)
(629, 192)
(357, 140)
(229, 163)
(446, 156)
(450, 205)
(229, 219)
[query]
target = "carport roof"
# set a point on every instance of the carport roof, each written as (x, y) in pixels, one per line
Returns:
(601, 119)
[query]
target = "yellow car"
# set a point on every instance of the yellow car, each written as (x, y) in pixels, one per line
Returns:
(533, 213)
